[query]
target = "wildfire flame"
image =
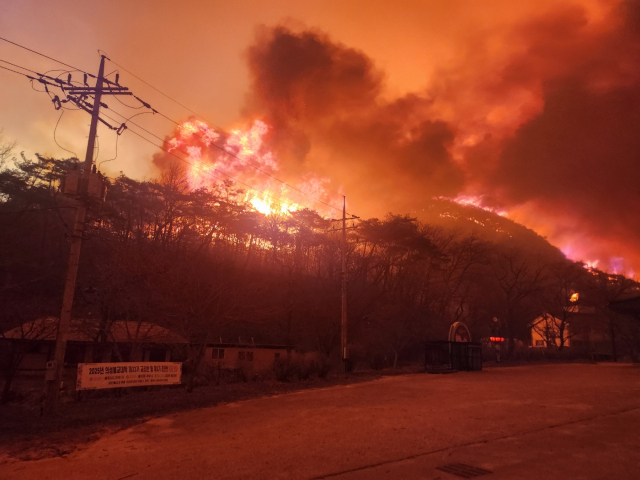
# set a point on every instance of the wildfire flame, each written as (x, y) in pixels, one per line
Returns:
(616, 265)
(476, 201)
(242, 156)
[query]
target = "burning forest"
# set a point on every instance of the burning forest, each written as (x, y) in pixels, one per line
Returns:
(515, 161)
(416, 187)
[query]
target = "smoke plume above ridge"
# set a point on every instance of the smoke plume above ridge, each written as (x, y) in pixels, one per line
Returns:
(540, 121)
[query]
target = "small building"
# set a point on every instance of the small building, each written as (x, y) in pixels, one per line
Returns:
(583, 330)
(252, 356)
(627, 306)
(549, 331)
(91, 342)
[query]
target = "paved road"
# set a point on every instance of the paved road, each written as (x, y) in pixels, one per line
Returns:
(558, 422)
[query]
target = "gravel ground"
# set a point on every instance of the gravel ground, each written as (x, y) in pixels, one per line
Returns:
(26, 435)
(554, 421)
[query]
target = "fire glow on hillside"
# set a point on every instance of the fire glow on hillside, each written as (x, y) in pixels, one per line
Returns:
(242, 156)
(525, 130)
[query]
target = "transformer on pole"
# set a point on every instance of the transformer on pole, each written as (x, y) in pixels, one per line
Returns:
(88, 186)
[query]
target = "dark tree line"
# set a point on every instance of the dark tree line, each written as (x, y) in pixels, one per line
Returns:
(205, 264)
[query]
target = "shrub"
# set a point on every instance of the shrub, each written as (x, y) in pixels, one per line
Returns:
(284, 369)
(307, 366)
(324, 366)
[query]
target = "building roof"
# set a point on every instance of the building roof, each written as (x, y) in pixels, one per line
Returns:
(249, 345)
(546, 318)
(89, 331)
(630, 306)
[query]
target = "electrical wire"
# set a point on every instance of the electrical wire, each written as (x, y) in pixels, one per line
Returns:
(200, 168)
(46, 56)
(221, 130)
(227, 152)
(62, 220)
(168, 118)
(164, 94)
(111, 159)
(19, 66)
(14, 71)
(223, 149)
(35, 89)
(279, 201)
(54, 136)
(128, 106)
(118, 137)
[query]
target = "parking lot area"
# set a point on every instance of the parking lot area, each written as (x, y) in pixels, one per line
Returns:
(568, 421)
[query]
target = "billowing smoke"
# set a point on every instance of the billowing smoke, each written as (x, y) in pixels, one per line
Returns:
(544, 127)
(324, 102)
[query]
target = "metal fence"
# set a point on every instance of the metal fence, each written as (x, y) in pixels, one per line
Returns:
(452, 356)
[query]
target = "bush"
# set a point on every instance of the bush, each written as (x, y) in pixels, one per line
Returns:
(324, 366)
(301, 366)
(284, 369)
(307, 367)
(377, 361)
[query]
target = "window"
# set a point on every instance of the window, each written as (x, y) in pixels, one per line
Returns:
(539, 343)
(250, 356)
(157, 355)
(241, 356)
(217, 353)
(276, 355)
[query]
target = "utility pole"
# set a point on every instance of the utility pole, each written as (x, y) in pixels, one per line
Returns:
(343, 336)
(55, 369)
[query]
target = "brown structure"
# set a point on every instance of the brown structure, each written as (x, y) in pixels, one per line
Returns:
(628, 306)
(89, 343)
(249, 356)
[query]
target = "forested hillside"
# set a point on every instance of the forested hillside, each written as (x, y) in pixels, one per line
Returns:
(206, 264)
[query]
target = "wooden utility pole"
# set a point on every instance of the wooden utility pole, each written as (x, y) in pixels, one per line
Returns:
(343, 336)
(56, 369)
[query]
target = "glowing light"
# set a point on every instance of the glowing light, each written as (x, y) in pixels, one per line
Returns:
(574, 297)
(250, 163)
(474, 201)
(591, 264)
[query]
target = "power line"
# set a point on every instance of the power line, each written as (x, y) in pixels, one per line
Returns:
(54, 136)
(46, 56)
(221, 148)
(219, 129)
(19, 66)
(164, 94)
(227, 152)
(279, 201)
(200, 168)
(224, 150)
(14, 71)
(118, 137)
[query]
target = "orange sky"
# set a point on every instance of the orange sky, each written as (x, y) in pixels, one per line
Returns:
(194, 51)
(453, 54)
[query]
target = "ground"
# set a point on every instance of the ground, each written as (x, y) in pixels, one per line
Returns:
(570, 421)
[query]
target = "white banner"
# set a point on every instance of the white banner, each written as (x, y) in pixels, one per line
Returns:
(92, 376)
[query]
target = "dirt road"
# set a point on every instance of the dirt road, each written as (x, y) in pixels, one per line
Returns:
(556, 421)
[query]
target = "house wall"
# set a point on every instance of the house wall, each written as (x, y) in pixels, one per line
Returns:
(538, 328)
(34, 361)
(253, 358)
(39, 352)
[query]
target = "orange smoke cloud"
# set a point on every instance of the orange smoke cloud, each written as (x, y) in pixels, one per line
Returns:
(536, 120)
(542, 126)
